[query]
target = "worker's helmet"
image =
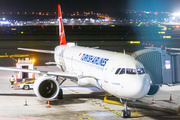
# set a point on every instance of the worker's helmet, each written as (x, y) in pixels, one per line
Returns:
(12, 76)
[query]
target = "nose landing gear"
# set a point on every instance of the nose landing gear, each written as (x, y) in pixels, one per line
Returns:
(125, 113)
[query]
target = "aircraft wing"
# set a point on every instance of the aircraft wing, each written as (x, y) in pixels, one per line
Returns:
(62, 74)
(37, 50)
(175, 49)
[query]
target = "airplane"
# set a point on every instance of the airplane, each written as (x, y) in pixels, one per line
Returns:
(116, 73)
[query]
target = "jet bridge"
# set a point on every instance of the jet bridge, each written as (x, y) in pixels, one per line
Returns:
(163, 66)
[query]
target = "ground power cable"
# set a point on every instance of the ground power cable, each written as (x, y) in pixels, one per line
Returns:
(136, 111)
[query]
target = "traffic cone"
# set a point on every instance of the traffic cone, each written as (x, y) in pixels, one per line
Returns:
(170, 98)
(48, 105)
(153, 101)
(25, 103)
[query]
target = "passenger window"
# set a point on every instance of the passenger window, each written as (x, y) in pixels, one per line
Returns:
(141, 71)
(117, 71)
(122, 71)
(130, 71)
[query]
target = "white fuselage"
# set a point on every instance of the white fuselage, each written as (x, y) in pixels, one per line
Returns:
(99, 67)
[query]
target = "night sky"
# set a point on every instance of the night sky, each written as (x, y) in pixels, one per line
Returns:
(111, 7)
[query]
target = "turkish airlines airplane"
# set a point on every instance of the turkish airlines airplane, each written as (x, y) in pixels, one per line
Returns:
(116, 73)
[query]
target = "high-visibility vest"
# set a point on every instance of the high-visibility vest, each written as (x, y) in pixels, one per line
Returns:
(12, 79)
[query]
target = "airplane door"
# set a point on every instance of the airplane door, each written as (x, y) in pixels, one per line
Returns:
(106, 71)
(61, 61)
(72, 63)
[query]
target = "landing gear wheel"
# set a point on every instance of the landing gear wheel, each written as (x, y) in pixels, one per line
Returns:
(26, 87)
(128, 113)
(60, 95)
(123, 114)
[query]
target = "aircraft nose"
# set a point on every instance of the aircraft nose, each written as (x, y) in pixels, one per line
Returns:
(140, 86)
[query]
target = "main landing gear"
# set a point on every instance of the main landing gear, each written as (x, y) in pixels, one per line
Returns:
(60, 95)
(60, 81)
(125, 113)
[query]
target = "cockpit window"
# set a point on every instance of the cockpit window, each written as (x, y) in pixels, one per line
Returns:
(122, 71)
(130, 71)
(117, 71)
(141, 71)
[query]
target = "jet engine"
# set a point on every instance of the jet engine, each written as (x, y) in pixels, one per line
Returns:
(46, 88)
(153, 90)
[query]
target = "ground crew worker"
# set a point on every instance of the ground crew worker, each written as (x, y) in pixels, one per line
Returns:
(12, 79)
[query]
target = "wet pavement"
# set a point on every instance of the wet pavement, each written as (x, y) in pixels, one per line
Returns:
(79, 103)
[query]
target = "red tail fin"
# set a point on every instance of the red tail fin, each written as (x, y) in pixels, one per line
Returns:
(62, 36)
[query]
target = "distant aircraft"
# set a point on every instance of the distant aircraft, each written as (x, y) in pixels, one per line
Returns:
(116, 73)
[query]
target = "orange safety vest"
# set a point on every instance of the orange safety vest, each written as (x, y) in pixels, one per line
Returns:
(12, 79)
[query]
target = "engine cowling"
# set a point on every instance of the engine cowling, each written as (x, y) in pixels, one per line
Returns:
(46, 88)
(153, 90)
